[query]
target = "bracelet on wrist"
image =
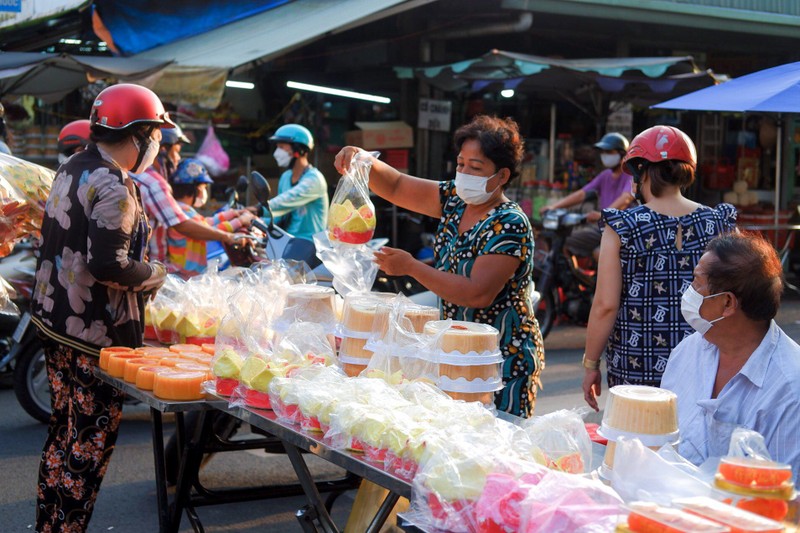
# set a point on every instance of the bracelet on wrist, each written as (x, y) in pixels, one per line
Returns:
(591, 364)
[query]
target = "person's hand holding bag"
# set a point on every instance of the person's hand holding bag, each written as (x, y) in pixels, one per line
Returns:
(394, 262)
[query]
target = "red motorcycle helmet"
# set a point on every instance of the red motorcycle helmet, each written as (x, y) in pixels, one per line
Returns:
(661, 143)
(121, 105)
(73, 135)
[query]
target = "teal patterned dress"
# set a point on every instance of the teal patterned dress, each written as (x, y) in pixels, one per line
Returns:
(505, 230)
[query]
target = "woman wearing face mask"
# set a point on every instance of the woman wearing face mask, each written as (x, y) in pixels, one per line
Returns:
(190, 185)
(301, 205)
(483, 248)
(91, 280)
(612, 187)
(739, 369)
(647, 256)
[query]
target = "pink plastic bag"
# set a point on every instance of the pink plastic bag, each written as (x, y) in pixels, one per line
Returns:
(213, 155)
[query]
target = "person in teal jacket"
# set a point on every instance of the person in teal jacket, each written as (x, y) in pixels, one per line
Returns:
(301, 206)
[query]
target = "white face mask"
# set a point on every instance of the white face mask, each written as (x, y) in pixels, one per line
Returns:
(149, 155)
(690, 309)
(472, 189)
(610, 160)
(282, 157)
(202, 197)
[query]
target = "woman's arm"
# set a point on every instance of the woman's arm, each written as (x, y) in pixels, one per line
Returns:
(478, 290)
(409, 192)
(604, 311)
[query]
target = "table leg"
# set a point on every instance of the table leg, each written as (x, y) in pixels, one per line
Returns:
(162, 501)
(310, 488)
(191, 455)
(383, 512)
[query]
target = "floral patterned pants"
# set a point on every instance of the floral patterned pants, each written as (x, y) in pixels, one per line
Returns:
(83, 429)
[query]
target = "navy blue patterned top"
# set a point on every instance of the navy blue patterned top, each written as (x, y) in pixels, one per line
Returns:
(504, 230)
(655, 273)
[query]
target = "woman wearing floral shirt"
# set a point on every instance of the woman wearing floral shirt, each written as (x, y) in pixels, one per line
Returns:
(91, 280)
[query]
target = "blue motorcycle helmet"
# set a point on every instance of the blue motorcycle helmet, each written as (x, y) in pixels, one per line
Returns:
(173, 136)
(298, 136)
(190, 171)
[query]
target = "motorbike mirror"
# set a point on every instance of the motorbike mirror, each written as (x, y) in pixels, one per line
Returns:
(233, 197)
(242, 184)
(261, 188)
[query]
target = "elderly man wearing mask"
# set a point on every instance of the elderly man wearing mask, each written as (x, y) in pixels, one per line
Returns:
(739, 369)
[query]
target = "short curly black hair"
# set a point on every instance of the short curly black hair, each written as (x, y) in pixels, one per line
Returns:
(499, 139)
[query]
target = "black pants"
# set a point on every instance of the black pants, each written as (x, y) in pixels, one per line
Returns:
(83, 429)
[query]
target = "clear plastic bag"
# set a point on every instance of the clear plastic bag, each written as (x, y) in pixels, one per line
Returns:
(641, 474)
(562, 438)
(351, 218)
(24, 188)
(564, 503)
(7, 292)
(353, 267)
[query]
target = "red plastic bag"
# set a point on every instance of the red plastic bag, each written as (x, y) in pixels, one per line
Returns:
(213, 155)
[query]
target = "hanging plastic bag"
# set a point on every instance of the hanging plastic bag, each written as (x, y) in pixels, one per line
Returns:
(353, 267)
(24, 188)
(213, 155)
(351, 218)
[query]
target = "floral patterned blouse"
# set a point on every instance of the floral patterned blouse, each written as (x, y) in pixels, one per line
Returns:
(505, 230)
(90, 275)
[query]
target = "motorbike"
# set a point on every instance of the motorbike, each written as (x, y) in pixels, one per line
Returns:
(566, 285)
(21, 352)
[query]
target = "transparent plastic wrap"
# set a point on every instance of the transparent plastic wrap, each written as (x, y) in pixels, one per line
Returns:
(351, 218)
(401, 352)
(24, 188)
(449, 483)
(499, 507)
(254, 379)
(353, 267)
(285, 392)
(562, 438)
(167, 309)
(641, 474)
(7, 293)
(204, 309)
(307, 302)
(565, 503)
(304, 343)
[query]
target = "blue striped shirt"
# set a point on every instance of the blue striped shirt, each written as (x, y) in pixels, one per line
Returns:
(763, 396)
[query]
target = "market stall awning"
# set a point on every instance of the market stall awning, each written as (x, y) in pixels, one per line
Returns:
(273, 32)
(51, 76)
(660, 75)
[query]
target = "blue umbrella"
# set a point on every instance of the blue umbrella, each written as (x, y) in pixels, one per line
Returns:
(773, 90)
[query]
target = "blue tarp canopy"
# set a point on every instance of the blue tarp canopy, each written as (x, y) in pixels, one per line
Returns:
(140, 25)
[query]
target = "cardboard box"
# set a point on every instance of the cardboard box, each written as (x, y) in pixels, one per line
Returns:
(379, 135)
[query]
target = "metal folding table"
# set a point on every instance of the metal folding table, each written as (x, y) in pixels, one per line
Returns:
(296, 439)
(189, 491)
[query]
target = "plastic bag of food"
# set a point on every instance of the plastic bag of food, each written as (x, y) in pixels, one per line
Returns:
(562, 438)
(563, 502)
(351, 218)
(24, 188)
(167, 309)
(7, 292)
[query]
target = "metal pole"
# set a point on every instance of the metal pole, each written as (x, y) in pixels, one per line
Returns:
(551, 166)
(778, 165)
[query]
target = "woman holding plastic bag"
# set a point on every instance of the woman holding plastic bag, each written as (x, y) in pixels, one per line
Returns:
(91, 276)
(483, 248)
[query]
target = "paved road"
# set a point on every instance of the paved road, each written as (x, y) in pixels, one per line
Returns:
(127, 502)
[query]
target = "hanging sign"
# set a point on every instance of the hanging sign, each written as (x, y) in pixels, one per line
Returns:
(434, 114)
